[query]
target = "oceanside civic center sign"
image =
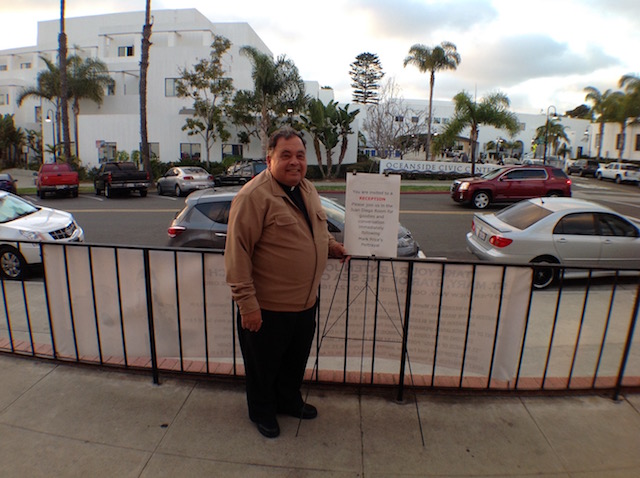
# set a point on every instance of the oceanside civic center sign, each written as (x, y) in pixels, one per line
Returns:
(431, 167)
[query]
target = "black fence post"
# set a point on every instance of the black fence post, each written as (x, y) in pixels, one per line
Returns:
(405, 333)
(627, 345)
(152, 333)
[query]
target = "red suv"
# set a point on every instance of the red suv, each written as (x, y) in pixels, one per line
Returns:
(511, 184)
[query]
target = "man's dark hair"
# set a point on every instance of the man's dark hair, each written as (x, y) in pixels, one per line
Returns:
(285, 132)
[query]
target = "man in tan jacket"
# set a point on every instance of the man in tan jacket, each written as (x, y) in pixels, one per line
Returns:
(276, 251)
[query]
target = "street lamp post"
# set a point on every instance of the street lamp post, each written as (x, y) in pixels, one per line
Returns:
(546, 131)
(588, 139)
(51, 119)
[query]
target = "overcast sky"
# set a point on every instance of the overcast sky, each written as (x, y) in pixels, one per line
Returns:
(540, 53)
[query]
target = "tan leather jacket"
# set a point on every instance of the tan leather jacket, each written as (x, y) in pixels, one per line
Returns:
(272, 259)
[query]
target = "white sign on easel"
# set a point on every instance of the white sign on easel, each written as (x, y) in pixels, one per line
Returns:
(372, 202)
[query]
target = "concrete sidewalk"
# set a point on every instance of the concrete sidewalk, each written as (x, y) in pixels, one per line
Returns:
(68, 421)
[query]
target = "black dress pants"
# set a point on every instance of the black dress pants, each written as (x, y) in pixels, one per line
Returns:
(275, 359)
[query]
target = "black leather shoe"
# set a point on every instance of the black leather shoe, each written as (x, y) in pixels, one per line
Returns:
(268, 428)
(306, 412)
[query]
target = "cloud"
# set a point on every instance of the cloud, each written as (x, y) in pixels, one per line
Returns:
(512, 60)
(419, 21)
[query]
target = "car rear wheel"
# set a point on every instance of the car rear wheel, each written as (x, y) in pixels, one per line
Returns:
(544, 276)
(178, 191)
(12, 264)
(618, 179)
(160, 191)
(554, 194)
(481, 200)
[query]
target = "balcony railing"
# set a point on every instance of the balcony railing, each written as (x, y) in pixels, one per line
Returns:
(424, 324)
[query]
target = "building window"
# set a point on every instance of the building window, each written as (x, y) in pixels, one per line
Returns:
(231, 150)
(638, 142)
(618, 141)
(111, 89)
(170, 86)
(3, 67)
(4, 99)
(415, 119)
(125, 51)
(190, 151)
(38, 114)
(107, 151)
(154, 150)
(25, 66)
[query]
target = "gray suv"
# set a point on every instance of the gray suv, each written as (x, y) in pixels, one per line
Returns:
(241, 172)
(203, 223)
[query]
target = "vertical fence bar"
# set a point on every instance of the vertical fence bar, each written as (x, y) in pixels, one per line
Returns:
(627, 345)
(346, 325)
(95, 305)
(375, 323)
(152, 332)
(525, 331)
(204, 314)
(497, 328)
(7, 315)
(614, 288)
(120, 310)
(178, 312)
(70, 299)
(435, 345)
(48, 304)
(466, 332)
(580, 327)
(405, 332)
(553, 332)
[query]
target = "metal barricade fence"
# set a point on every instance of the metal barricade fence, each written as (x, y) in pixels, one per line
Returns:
(424, 324)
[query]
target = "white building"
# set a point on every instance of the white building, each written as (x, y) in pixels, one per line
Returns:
(180, 39)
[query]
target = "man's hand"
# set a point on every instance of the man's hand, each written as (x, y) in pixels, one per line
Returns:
(337, 251)
(252, 321)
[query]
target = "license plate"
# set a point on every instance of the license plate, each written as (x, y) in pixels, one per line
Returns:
(482, 235)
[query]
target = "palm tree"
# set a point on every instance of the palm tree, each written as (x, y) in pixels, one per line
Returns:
(491, 110)
(551, 132)
(48, 87)
(64, 87)
(618, 109)
(144, 66)
(599, 101)
(343, 120)
(87, 80)
(442, 57)
(278, 87)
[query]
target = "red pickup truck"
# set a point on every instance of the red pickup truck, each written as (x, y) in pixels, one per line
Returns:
(56, 177)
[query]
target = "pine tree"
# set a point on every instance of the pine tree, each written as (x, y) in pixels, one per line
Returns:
(366, 73)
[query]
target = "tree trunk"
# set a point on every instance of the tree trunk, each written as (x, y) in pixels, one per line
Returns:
(316, 146)
(76, 112)
(144, 66)
(623, 128)
(474, 140)
(600, 140)
(427, 145)
(64, 94)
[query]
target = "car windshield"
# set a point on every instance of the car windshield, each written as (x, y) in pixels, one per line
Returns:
(493, 174)
(333, 210)
(260, 167)
(523, 214)
(12, 207)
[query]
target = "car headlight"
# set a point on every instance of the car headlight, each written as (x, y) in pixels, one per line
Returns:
(463, 186)
(32, 236)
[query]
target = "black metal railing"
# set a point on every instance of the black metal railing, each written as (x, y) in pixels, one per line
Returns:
(425, 324)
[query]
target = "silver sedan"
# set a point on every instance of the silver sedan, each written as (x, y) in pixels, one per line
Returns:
(565, 231)
(182, 180)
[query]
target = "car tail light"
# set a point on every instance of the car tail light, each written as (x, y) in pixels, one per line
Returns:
(187, 178)
(499, 241)
(473, 226)
(109, 178)
(175, 231)
(210, 178)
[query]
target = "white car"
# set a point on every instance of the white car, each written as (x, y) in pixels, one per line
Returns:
(565, 231)
(619, 172)
(20, 220)
(184, 179)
